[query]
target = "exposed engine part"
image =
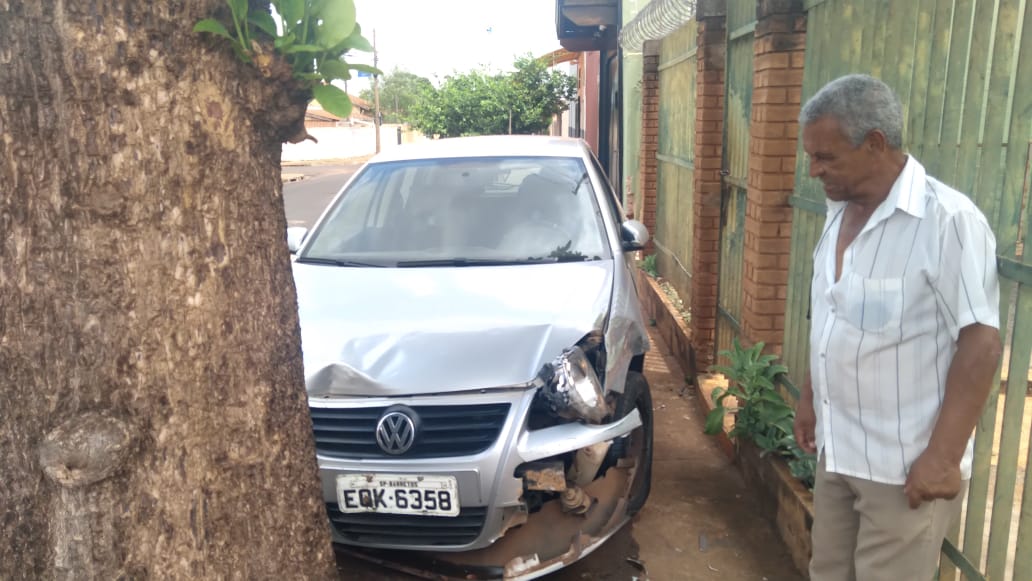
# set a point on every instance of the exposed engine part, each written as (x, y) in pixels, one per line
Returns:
(547, 476)
(587, 462)
(572, 388)
(576, 501)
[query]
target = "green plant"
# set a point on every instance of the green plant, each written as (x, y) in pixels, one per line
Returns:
(761, 414)
(802, 465)
(648, 264)
(304, 39)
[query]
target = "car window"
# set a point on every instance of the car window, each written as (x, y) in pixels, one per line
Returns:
(525, 209)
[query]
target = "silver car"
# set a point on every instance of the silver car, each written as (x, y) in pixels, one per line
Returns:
(473, 353)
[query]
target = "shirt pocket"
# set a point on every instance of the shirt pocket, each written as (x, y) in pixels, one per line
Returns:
(873, 305)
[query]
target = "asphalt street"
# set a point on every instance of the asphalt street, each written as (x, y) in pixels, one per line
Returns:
(313, 188)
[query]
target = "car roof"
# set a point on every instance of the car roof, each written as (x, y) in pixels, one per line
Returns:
(485, 146)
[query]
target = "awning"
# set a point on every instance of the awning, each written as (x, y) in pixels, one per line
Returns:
(657, 20)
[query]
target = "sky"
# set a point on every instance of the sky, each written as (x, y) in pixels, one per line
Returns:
(440, 37)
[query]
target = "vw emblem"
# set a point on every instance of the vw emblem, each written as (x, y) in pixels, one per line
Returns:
(396, 431)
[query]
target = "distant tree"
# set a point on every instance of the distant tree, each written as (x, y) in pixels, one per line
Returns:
(476, 103)
(538, 95)
(399, 93)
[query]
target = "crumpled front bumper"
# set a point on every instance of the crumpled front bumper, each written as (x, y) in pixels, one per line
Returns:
(513, 543)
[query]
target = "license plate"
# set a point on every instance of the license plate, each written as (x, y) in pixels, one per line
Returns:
(412, 494)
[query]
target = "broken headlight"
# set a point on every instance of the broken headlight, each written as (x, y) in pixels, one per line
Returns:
(572, 389)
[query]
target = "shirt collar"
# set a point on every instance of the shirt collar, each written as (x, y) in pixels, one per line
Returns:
(908, 191)
(907, 194)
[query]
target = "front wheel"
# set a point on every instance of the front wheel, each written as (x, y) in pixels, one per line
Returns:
(637, 444)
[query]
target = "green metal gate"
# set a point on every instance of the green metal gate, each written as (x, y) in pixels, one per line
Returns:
(675, 156)
(741, 23)
(963, 69)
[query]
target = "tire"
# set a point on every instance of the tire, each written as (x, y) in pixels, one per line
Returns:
(636, 395)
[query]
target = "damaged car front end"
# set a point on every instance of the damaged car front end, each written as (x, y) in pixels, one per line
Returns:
(479, 413)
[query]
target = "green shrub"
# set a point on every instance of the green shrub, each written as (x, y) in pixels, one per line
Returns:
(648, 264)
(761, 414)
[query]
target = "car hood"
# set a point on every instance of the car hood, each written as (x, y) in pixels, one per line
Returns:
(391, 331)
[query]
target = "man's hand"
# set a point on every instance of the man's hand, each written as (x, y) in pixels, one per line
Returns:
(805, 424)
(932, 476)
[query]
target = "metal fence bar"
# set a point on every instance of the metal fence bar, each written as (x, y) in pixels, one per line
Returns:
(685, 163)
(742, 31)
(1023, 564)
(981, 469)
(679, 59)
(1007, 460)
(966, 567)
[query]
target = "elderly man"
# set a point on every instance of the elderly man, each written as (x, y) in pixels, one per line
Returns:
(904, 341)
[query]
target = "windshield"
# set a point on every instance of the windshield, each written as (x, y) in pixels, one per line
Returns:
(463, 212)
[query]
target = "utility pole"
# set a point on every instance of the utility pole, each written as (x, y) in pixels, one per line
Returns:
(376, 95)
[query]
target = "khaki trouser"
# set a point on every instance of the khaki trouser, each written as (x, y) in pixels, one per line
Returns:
(866, 531)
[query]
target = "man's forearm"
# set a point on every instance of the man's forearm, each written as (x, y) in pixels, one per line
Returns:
(968, 384)
(806, 390)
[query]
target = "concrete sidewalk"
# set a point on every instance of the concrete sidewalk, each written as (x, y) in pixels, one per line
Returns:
(701, 521)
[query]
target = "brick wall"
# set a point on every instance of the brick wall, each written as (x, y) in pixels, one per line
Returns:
(779, 48)
(709, 134)
(645, 209)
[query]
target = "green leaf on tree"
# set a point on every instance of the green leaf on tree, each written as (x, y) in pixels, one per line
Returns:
(365, 69)
(212, 26)
(334, 69)
(333, 100)
(282, 42)
(239, 9)
(291, 11)
(302, 48)
(264, 22)
(355, 42)
(337, 21)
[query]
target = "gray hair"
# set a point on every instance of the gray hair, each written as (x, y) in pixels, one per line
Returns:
(861, 104)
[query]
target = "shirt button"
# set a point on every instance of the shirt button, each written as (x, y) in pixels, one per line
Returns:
(822, 356)
(833, 310)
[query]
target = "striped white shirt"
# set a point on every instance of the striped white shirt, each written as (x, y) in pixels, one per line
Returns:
(883, 335)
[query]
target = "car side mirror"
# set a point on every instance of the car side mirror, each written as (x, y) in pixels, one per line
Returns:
(633, 235)
(295, 236)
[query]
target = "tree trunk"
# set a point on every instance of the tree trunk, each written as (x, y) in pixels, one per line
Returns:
(153, 418)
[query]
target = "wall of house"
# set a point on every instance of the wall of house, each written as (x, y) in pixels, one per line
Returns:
(346, 142)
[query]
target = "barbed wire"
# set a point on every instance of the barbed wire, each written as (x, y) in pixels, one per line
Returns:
(657, 20)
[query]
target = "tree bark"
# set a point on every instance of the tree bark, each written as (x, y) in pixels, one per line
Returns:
(153, 417)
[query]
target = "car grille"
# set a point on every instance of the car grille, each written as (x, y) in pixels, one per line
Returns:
(401, 530)
(446, 431)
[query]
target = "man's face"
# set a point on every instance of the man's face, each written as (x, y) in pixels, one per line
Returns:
(841, 167)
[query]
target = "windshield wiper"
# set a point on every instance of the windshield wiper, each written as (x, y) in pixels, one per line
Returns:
(337, 262)
(563, 258)
(459, 262)
(490, 261)
(577, 186)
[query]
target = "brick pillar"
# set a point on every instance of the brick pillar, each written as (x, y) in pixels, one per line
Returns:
(649, 138)
(709, 134)
(777, 86)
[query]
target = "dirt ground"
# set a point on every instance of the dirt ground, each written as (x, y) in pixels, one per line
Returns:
(699, 523)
